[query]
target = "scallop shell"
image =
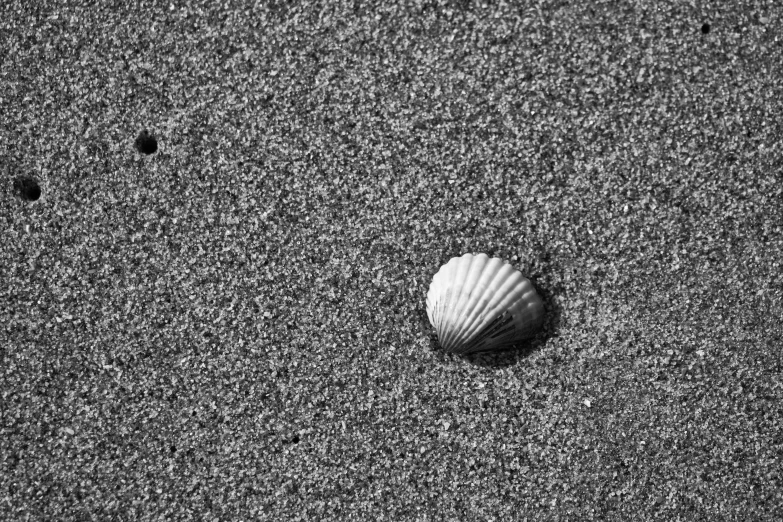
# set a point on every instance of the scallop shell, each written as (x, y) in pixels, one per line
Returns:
(477, 303)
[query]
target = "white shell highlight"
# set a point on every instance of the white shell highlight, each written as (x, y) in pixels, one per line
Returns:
(477, 303)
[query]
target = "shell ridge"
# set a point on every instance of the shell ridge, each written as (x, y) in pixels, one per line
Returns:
(493, 335)
(439, 296)
(500, 332)
(467, 268)
(492, 306)
(478, 302)
(509, 294)
(449, 293)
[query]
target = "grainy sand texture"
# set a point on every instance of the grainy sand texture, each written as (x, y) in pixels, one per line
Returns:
(219, 221)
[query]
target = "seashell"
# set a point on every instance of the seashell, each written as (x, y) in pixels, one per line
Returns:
(477, 303)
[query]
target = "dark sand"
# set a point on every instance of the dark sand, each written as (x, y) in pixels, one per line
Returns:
(233, 327)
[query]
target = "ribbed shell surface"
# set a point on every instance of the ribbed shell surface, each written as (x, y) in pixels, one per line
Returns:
(477, 303)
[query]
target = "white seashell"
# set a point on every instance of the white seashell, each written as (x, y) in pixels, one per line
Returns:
(477, 303)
